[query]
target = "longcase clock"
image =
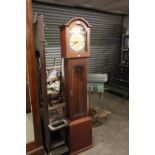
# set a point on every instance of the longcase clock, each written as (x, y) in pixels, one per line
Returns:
(75, 49)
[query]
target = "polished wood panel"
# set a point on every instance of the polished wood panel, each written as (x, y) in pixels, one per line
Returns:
(76, 87)
(80, 135)
(31, 73)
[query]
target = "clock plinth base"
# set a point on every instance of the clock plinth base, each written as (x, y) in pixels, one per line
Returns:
(80, 135)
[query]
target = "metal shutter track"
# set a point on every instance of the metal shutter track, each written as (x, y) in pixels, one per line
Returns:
(105, 35)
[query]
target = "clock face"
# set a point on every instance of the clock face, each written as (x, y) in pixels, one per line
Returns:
(77, 41)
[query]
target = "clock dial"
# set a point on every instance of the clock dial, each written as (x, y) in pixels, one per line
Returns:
(77, 39)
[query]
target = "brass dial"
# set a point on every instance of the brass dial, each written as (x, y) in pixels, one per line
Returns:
(77, 39)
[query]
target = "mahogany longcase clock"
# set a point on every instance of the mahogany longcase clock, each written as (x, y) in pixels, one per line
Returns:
(75, 49)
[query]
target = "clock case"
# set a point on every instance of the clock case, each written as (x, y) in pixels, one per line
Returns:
(75, 79)
(66, 51)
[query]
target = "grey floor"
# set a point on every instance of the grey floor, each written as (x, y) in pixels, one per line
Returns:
(112, 138)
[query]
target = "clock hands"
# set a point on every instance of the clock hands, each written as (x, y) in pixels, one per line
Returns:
(75, 42)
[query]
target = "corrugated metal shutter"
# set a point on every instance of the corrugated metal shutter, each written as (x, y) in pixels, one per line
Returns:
(105, 35)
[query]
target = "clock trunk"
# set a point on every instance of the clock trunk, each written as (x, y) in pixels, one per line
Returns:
(76, 87)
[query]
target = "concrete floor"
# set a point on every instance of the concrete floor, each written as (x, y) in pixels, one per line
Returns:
(112, 138)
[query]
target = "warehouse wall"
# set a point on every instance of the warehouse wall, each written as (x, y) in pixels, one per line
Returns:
(105, 35)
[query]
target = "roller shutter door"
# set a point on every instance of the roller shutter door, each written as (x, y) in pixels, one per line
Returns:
(105, 35)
